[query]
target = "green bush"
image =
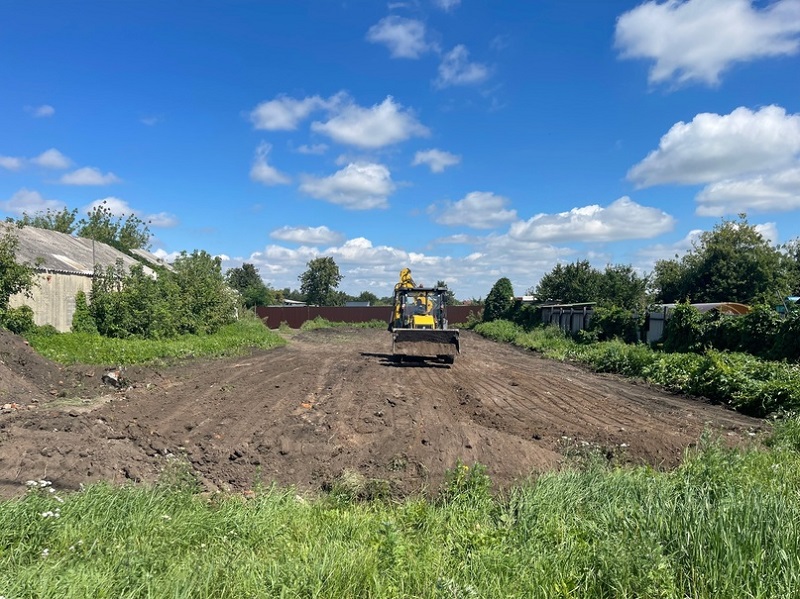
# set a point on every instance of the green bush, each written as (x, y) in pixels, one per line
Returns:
(617, 356)
(500, 301)
(615, 323)
(18, 320)
(683, 331)
(82, 319)
(499, 330)
(787, 341)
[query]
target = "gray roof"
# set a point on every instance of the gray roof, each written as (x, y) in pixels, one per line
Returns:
(62, 253)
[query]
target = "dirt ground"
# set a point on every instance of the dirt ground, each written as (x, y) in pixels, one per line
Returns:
(329, 402)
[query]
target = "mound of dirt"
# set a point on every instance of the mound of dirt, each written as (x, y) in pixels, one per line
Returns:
(333, 402)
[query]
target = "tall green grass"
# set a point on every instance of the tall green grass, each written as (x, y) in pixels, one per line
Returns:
(87, 348)
(323, 323)
(726, 524)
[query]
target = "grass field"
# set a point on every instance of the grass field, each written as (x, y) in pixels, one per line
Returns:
(724, 524)
(85, 348)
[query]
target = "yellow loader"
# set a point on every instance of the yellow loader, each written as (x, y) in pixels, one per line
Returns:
(419, 323)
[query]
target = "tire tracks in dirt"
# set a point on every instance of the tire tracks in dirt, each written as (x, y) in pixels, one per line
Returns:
(332, 401)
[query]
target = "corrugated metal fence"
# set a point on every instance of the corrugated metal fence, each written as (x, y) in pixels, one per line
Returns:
(295, 316)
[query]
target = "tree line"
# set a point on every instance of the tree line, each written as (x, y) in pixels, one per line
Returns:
(733, 262)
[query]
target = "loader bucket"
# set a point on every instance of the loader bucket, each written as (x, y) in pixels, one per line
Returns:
(439, 344)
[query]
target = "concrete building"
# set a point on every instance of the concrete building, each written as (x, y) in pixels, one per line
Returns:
(64, 265)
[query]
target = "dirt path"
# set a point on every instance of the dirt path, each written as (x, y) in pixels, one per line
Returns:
(332, 401)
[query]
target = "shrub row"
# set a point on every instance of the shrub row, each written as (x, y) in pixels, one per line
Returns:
(763, 332)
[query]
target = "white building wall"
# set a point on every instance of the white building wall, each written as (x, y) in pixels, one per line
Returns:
(53, 300)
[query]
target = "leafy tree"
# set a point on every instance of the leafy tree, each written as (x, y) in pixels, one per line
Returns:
(450, 297)
(205, 299)
(499, 301)
(733, 262)
(290, 294)
(571, 283)
(319, 282)
(246, 280)
(14, 277)
(124, 232)
(367, 296)
(193, 298)
(82, 319)
(62, 220)
(621, 286)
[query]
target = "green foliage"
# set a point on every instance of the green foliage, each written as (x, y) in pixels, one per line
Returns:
(619, 357)
(82, 319)
(615, 323)
(319, 281)
(617, 285)
(450, 297)
(786, 434)
(499, 330)
(62, 220)
(191, 299)
(731, 263)
(622, 287)
(787, 341)
(683, 331)
(721, 525)
(18, 320)
(250, 285)
(205, 302)
(14, 277)
(86, 348)
(499, 301)
(571, 283)
(122, 232)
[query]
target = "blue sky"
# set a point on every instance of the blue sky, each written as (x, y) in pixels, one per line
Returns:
(465, 139)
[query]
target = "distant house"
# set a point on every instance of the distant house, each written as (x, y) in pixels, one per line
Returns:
(64, 265)
(357, 304)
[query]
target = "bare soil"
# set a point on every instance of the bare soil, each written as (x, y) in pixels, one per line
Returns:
(332, 402)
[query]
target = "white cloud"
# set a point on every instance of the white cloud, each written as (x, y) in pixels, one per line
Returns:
(120, 208)
(405, 38)
(456, 69)
(11, 163)
(447, 5)
(307, 235)
(769, 231)
(162, 220)
(263, 172)
(313, 149)
(696, 40)
(381, 125)
(88, 175)
(285, 113)
(715, 147)
(773, 192)
(29, 201)
(43, 111)
(168, 257)
(622, 219)
(52, 158)
(437, 160)
(478, 209)
(358, 186)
